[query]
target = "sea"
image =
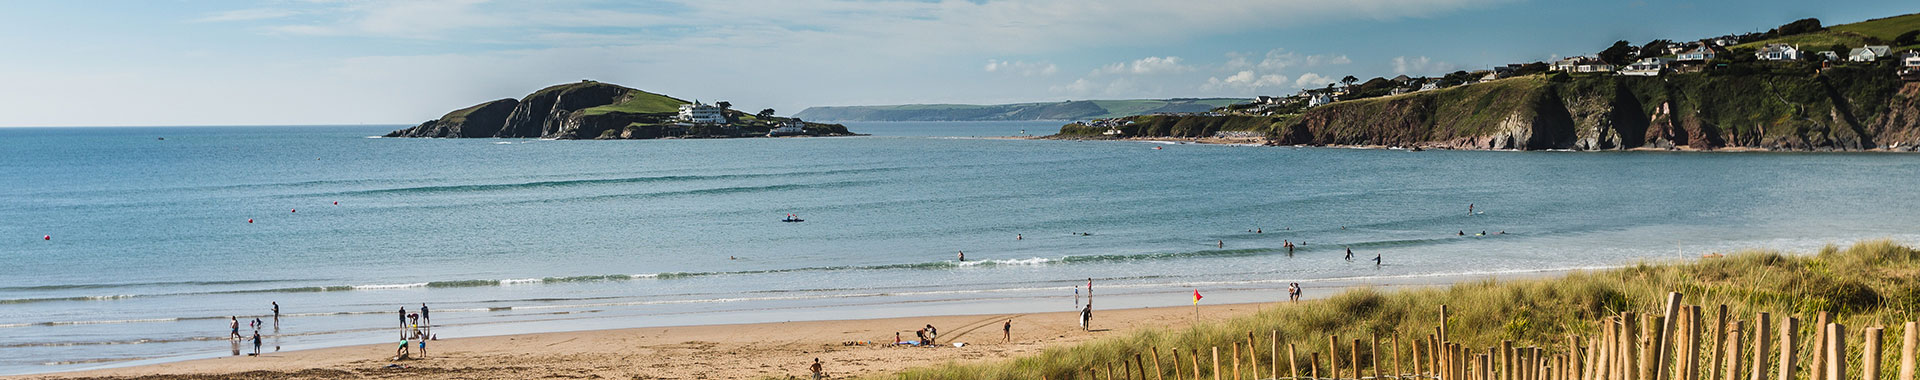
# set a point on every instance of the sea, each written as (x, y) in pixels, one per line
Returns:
(128, 246)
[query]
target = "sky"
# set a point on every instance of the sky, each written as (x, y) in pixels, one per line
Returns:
(314, 62)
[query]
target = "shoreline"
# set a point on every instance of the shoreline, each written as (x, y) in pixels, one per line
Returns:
(750, 350)
(1262, 141)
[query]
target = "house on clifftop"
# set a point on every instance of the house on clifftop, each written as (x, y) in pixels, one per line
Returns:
(702, 113)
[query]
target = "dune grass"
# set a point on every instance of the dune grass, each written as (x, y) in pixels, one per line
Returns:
(1874, 283)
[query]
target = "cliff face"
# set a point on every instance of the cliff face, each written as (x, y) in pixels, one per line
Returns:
(482, 120)
(1782, 107)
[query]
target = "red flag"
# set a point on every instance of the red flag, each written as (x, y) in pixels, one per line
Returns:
(1196, 296)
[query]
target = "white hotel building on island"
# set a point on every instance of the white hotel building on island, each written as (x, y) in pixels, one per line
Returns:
(702, 113)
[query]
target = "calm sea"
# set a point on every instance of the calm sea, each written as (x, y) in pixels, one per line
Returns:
(156, 242)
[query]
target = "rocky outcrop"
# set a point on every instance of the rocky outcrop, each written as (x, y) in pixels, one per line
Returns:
(482, 120)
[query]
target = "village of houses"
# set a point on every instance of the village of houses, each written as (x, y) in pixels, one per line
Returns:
(1688, 57)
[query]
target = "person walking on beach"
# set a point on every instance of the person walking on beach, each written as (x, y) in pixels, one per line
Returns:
(234, 322)
(1006, 331)
(818, 371)
(1086, 317)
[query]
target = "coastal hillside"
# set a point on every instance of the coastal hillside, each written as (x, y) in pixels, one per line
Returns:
(1067, 110)
(595, 110)
(1778, 108)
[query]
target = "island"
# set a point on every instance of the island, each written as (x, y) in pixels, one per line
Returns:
(597, 110)
(1798, 87)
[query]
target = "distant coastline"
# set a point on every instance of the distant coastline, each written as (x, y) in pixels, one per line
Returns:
(1063, 110)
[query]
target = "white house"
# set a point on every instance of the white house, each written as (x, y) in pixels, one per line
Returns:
(1910, 59)
(1430, 85)
(1319, 99)
(1567, 64)
(1778, 52)
(1828, 55)
(701, 113)
(1700, 54)
(1868, 54)
(789, 128)
(1647, 67)
(1594, 66)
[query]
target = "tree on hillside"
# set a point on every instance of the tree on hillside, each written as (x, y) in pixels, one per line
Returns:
(1532, 68)
(1456, 78)
(1349, 80)
(1620, 53)
(1839, 49)
(725, 105)
(765, 113)
(1805, 25)
(1653, 48)
(1908, 38)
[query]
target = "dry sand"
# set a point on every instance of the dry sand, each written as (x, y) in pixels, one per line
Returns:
(692, 352)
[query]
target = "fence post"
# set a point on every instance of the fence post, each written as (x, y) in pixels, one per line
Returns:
(1789, 341)
(1236, 360)
(1126, 369)
(1253, 358)
(1906, 351)
(1353, 358)
(1293, 365)
(1141, 367)
(1719, 345)
(1819, 366)
(1760, 326)
(1333, 355)
(1275, 360)
(1870, 357)
(1397, 373)
(1836, 357)
(1650, 347)
(1216, 362)
(1669, 316)
(1628, 344)
(1177, 375)
(1195, 359)
(1373, 355)
(1693, 343)
(1603, 369)
(1313, 365)
(1443, 323)
(1157, 373)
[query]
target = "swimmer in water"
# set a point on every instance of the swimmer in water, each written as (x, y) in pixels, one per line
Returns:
(963, 255)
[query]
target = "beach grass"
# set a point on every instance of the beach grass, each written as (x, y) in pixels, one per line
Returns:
(1874, 283)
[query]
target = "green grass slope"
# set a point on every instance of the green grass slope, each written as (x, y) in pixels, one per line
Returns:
(1867, 284)
(638, 101)
(1851, 35)
(1068, 110)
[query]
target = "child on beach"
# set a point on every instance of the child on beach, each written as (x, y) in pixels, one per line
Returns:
(401, 353)
(256, 343)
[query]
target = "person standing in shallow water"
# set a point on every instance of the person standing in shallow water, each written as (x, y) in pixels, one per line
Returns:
(403, 323)
(1376, 260)
(1349, 254)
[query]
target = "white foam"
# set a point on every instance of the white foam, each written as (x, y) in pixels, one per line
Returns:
(390, 286)
(518, 281)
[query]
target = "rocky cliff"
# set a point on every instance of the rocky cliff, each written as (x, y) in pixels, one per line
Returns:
(1775, 107)
(590, 110)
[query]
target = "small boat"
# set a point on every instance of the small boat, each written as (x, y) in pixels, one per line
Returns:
(791, 218)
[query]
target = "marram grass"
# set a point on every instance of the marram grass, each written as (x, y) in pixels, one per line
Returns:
(1875, 283)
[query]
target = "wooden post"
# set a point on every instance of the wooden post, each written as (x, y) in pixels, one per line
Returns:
(1649, 347)
(1126, 369)
(1732, 350)
(1870, 357)
(1110, 371)
(1628, 344)
(1670, 316)
(1195, 359)
(1177, 375)
(1717, 364)
(1603, 369)
(1275, 350)
(1216, 362)
(1253, 358)
(1760, 326)
(1396, 356)
(1373, 356)
(1313, 365)
(1571, 370)
(1505, 359)
(1157, 372)
(1293, 365)
(1789, 341)
(1590, 370)
(1443, 323)
(1836, 357)
(1906, 351)
(1141, 366)
(1819, 366)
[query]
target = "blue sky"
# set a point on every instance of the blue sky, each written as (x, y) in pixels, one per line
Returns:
(82, 63)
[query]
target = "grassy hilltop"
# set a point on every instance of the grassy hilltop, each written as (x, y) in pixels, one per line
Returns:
(1867, 284)
(593, 110)
(1067, 110)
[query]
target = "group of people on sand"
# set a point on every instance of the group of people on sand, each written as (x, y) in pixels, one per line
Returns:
(233, 334)
(415, 328)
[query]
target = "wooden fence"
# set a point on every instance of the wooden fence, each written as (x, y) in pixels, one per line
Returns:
(1627, 346)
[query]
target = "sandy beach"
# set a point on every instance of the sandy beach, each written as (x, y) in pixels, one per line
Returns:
(739, 351)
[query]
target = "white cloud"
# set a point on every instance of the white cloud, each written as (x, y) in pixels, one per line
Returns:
(1312, 80)
(1245, 80)
(1021, 68)
(1146, 66)
(1419, 66)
